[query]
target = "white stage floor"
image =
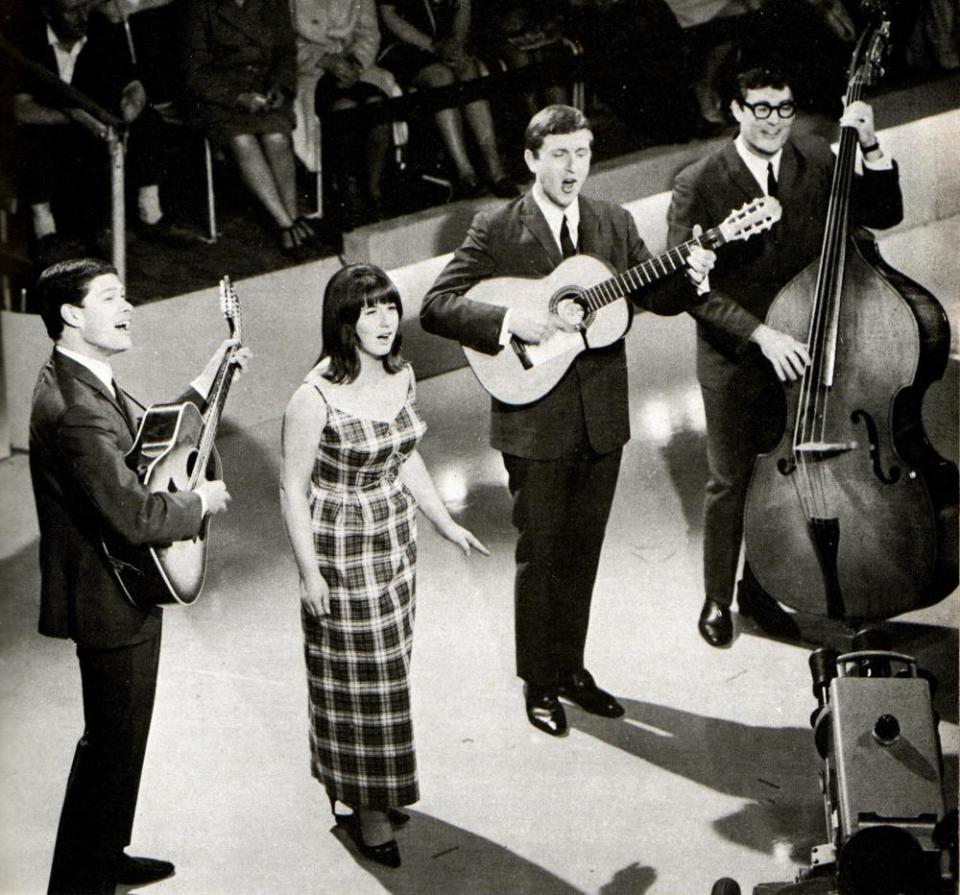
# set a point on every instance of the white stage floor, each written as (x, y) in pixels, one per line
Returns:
(712, 772)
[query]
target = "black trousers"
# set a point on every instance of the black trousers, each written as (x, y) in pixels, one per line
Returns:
(97, 817)
(738, 428)
(67, 163)
(560, 510)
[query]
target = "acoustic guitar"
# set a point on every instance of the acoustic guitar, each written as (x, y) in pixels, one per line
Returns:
(589, 306)
(173, 449)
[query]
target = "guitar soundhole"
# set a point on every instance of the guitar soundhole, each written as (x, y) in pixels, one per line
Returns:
(567, 305)
(191, 462)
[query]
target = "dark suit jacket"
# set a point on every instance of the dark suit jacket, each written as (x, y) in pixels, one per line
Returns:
(78, 437)
(748, 275)
(103, 68)
(228, 50)
(590, 401)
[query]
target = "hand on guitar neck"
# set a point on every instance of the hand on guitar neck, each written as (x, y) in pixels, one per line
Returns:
(203, 383)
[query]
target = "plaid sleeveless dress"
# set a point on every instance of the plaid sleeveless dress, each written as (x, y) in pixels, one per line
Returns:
(358, 656)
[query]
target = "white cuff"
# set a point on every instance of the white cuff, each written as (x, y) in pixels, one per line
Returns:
(505, 330)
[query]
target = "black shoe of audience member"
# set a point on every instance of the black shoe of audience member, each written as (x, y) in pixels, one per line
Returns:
(544, 711)
(166, 232)
(715, 624)
(753, 602)
(49, 249)
(133, 871)
(469, 187)
(581, 688)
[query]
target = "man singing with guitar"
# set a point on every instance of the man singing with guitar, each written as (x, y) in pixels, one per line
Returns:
(82, 426)
(562, 450)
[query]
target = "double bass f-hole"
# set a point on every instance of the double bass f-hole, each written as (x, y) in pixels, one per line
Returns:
(874, 441)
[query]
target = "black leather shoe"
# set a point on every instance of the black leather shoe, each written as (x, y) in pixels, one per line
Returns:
(581, 688)
(769, 615)
(715, 625)
(133, 871)
(387, 854)
(545, 712)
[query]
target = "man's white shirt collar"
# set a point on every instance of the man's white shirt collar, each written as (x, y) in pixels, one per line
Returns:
(756, 165)
(554, 214)
(66, 58)
(100, 368)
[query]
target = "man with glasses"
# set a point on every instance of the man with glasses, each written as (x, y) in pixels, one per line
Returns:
(739, 358)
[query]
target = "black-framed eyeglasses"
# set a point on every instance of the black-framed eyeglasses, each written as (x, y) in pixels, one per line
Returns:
(786, 109)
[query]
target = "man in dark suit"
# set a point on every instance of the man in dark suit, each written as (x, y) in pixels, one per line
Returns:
(739, 358)
(59, 147)
(81, 426)
(562, 452)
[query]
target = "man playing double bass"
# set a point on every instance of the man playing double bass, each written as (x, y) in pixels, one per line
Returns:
(81, 427)
(739, 358)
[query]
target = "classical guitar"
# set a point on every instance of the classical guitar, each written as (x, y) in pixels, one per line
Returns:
(589, 305)
(174, 447)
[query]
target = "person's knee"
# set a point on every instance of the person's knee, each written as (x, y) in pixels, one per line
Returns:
(436, 75)
(276, 141)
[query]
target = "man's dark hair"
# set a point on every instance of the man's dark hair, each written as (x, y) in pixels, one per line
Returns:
(759, 77)
(556, 119)
(350, 289)
(66, 283)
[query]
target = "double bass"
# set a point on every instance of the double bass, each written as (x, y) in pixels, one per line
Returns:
(853, 515)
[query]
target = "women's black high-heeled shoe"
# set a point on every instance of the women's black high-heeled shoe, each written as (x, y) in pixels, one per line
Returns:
(387, 854)
(397, 817)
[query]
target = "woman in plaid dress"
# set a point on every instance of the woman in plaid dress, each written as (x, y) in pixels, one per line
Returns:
(351, 482)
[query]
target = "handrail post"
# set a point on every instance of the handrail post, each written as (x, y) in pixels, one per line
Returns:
(115, 146)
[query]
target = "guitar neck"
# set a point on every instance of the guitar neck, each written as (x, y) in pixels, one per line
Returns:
(211, 417)
(649, 271)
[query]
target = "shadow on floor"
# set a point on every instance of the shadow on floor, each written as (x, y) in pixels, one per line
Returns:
(443, 859)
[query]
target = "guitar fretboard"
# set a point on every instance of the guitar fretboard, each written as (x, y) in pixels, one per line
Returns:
(643, 274)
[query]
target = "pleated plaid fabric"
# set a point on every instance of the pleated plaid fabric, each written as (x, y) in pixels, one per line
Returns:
(358, 657)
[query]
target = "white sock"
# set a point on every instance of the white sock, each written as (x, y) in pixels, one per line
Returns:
(43, 222)
(148, 204)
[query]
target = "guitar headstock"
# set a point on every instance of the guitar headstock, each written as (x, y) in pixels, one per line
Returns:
(230, 305)
(754, 217)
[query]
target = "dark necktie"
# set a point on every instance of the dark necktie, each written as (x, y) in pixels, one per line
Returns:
(566, 243)
(118, 394)
(771, 181)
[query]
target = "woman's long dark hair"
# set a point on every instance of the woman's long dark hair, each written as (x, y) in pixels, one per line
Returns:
(350, 289)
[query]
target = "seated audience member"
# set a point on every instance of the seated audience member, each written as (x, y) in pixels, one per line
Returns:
(523, 33)
(58, 149)
(337, 43)
(427, 47)
(241, 76)
(811, 38)
(934, 39)
(636, 67)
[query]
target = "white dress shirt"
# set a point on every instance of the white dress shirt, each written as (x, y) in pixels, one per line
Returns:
(66, 57)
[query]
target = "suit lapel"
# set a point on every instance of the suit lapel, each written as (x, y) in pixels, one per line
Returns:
(78, 371)
(536, 223)
(789, 170)
(589, 241)
(740, 174)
